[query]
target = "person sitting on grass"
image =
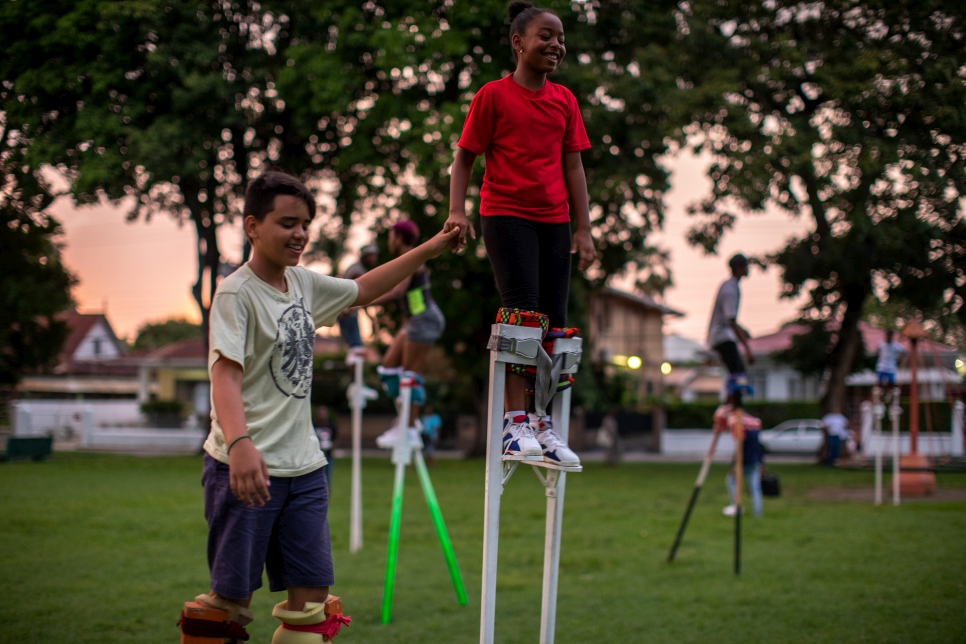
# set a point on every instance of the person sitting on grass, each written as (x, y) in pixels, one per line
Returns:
(266, 496)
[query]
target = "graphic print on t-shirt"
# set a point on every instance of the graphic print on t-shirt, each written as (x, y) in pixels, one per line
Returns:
(291, 361)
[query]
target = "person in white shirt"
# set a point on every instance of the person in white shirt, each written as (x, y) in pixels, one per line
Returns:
(890, 351)
(837, 430)
(265, 491)
(724, 333)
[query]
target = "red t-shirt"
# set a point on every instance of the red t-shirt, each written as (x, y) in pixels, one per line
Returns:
(524, 135)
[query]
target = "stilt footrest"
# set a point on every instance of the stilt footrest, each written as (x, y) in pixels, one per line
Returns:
(556, 466)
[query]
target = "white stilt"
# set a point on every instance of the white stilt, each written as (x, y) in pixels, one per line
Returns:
(878, 411)
(894, 412)
(520, 345)
(358, 395)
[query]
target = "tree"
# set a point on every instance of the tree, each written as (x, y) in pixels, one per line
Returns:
(34, 284)
(157, 334)
(166, 105)
(387, 131)
(850, 113)
(175, 105)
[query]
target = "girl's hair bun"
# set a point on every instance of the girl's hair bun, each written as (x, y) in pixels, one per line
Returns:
(514, 9)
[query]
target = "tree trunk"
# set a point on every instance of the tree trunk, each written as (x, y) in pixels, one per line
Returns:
(208, 260)
(847, 346)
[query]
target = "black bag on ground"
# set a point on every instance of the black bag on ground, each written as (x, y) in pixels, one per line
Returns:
(770, 484)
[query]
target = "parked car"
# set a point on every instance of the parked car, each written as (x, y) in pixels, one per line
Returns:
(800, 436)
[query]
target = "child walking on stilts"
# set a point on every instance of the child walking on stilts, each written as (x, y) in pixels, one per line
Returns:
(531, 134)
(265, 492)
(406, 356)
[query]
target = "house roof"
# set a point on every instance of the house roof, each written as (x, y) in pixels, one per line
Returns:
(681, 350)
(188, 348)
(871, 338)
(80, 325)
(184, 354)
(640, 299)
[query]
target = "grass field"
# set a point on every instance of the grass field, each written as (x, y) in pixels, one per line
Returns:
(102, 548)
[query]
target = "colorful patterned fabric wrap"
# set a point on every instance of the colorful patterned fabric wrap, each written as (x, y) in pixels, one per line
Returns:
(566, 380)
(532, 319)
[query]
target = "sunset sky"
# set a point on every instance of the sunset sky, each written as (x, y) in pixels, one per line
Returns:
(139, 272)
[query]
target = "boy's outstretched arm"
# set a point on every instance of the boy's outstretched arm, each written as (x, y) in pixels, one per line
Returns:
(381, 279)
(248, 474)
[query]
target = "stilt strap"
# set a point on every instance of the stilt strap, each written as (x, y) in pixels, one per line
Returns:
(525, 348)
(329, 628)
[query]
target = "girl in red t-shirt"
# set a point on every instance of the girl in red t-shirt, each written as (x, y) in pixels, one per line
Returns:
(531, 134)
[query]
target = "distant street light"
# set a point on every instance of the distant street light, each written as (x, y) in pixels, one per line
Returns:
(666, 368)
(634, 362)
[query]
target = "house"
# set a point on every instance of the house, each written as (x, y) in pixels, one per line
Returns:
(776, 381)
(627, 333)
(90, 373)
(90, 365)
(691, 372)
(175, 371)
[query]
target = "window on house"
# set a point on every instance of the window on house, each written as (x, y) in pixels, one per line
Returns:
(97, 346)
(802, 388)
(758, 381)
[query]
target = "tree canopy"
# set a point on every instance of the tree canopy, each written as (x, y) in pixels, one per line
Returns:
(175, 105)
(157, 334)
(852, 114)
(34, 284)
(848, 113)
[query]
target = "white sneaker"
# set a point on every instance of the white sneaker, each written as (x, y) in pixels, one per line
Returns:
(387, 439)
(518, 439)
(553, 448)
(730, 510)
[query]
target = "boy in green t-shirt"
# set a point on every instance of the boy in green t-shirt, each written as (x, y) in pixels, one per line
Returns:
(266, 497)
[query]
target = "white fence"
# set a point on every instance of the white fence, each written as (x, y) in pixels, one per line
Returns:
(928, 443)
(694, 443)
(65, 418)
(94, 425)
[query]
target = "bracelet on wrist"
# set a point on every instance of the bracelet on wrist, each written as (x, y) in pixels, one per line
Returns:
(242, 437)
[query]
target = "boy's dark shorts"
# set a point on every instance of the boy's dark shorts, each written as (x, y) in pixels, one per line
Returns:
(289, 536)
(730, 356)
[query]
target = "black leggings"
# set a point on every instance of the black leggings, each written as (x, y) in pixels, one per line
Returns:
(531, 263)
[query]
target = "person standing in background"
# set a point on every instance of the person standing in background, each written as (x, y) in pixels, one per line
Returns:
(349, 319)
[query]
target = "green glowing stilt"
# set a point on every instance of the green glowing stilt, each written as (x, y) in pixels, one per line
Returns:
(444, 542)
(396, 520)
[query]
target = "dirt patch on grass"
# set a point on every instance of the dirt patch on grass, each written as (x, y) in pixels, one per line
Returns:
(867, 495)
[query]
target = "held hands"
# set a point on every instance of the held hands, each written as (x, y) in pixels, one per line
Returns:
(248, 474)
(459, 221)
(583, 246)
(448, 238)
